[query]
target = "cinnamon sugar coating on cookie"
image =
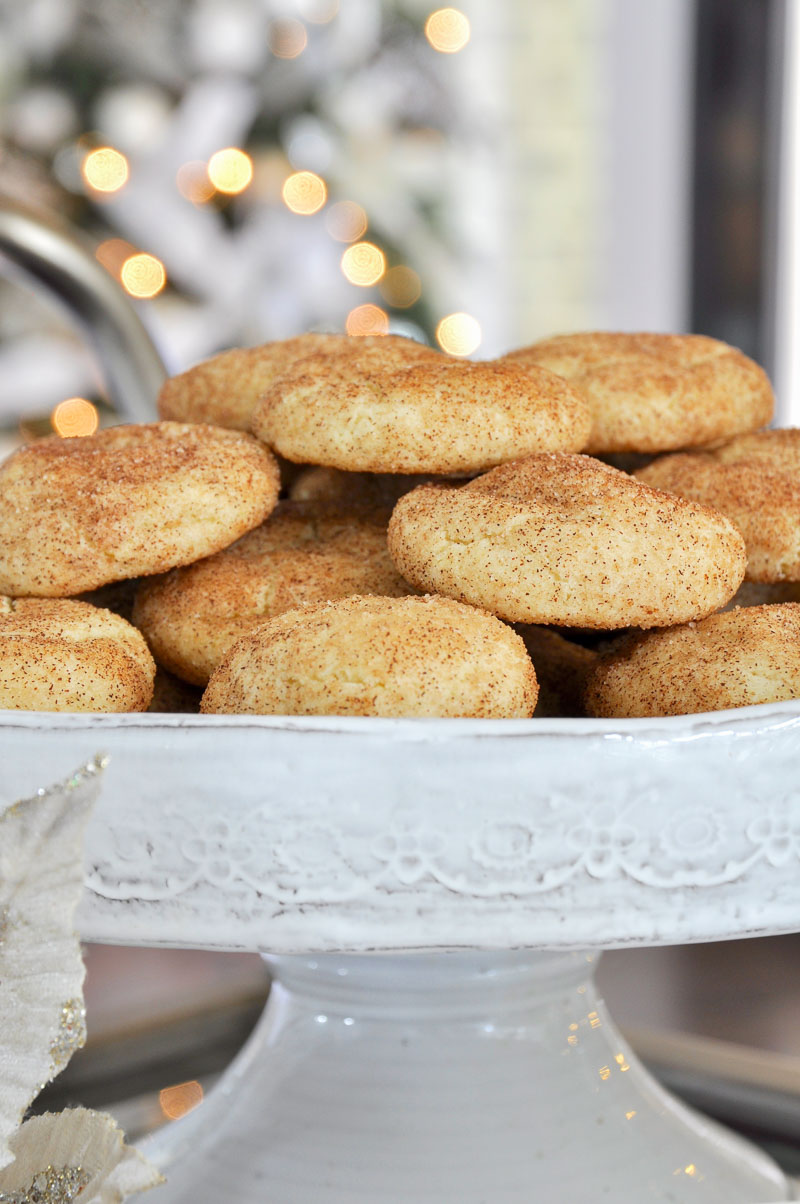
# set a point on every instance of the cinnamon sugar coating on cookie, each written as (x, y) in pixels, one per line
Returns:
(222, 390)
(429, 414)
(425, 657)
(734, 659)
(61, 655)
(567, 540)
(127, 502)
(657, 392)
(304, 553)
(753, 480)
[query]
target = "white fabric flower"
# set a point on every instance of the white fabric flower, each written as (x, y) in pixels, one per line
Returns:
(62, 1155)
(53, 1158)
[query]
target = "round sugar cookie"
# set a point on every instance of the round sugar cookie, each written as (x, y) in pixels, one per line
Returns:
(173, 696)
(432, 414)
(127, 502)
(425, 657)
(352, 488)
(656, 392)
(755, 481)
(224, 389)
(562, 667)
(734, 659)
(61, 655)
(567, 540)
(305, 552)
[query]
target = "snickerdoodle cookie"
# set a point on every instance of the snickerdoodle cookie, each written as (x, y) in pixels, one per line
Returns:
(360, 488)
(656, 392)
(127, 502)
(61, 655)
(562, 668)
(734, 659)
(755, 481)
(567, 540)
(305, 552)
(378, 656)
(430, 414)
(223, 390)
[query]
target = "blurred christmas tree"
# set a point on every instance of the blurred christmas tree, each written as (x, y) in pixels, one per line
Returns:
(253, 168)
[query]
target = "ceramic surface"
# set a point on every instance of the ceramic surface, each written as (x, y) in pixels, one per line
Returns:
(455, 1078)
(299, 835)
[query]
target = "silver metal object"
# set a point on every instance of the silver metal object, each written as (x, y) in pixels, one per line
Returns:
(51, 256)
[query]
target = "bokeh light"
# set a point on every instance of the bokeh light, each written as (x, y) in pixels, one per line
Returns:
(74, 417)
(143, 275)
(230, 170)
(447, 30)
(401, 287)
(105, 169)
(194, 183)
(178, 1100)
(346, 221)
(363, 263)
(287, 38)
(304, 192)
(458, 334)
(113, 252)
(367, 319)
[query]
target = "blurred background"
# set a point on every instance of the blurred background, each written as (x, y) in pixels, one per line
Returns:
(478, 177)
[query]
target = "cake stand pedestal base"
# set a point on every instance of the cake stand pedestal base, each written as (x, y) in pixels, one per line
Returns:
(438, 1078)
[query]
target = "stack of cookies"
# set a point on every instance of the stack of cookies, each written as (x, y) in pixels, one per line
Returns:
(365, 526)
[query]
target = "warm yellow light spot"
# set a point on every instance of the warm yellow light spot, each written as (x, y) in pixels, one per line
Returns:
(572, 1039)
(74, 417)
(363, 264)
(459, 334)
(401, 287)
(178, 1100)
(594, 1020)
(143, 275)
(604, 1072)
(691, 1169)
(367, 319)
(287, 38)
(447, 30)
(346, 221)
(573, 1028)
(304, 192)
(620, 1060)
(630, 1115)
(193, 182)
(105, 169)
(113, 252)
(230, 170)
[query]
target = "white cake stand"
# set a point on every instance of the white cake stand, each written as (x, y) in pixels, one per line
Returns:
(431, 896)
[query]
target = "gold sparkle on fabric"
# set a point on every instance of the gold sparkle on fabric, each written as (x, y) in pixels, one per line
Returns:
(87, 771)
(71, 1034)
(53, 1185)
